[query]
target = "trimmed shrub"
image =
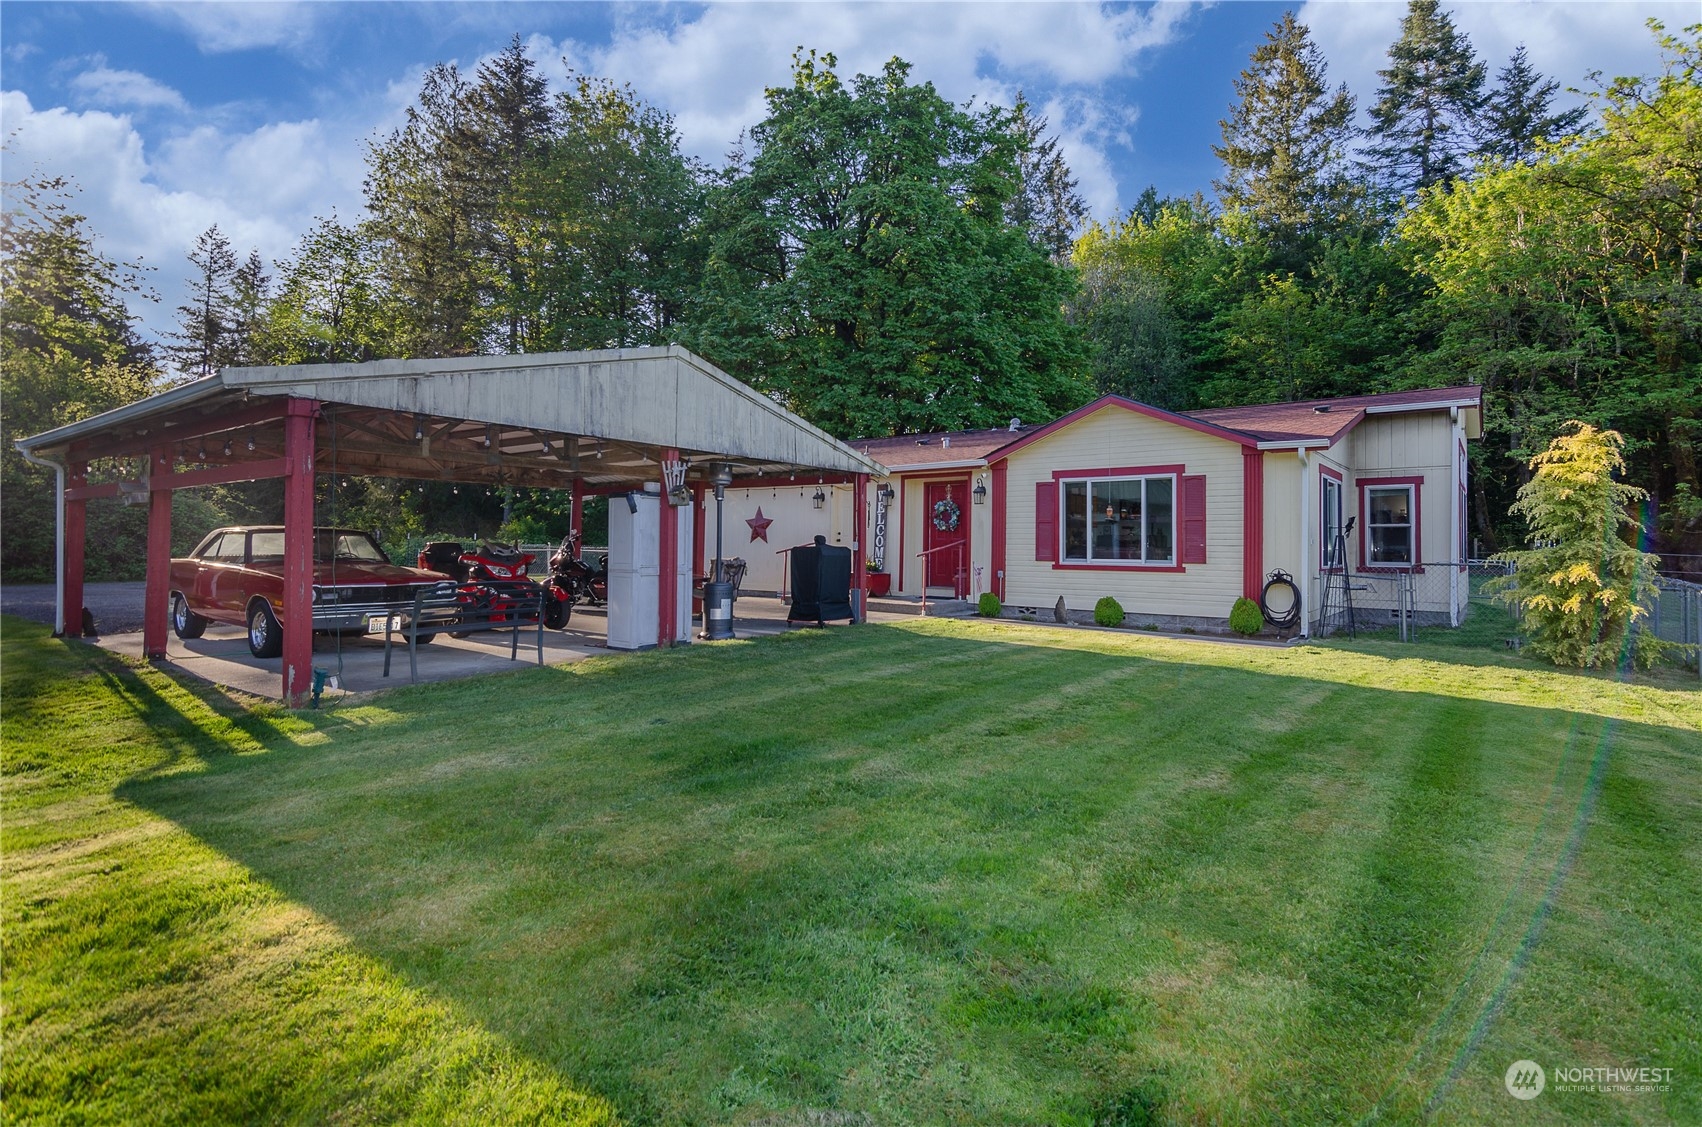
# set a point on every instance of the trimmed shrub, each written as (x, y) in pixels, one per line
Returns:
(989, 606)
(1245, 617)
(1108, 612)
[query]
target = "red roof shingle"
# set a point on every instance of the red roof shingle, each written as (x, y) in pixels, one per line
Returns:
(1320, 419)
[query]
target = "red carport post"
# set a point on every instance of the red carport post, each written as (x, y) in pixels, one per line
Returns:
(298, 551)
(158, 590)
(76, 537)
(859, 531)
(668, 558)
(576, 518)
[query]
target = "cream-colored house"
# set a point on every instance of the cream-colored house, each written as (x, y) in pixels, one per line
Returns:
(1177, 515)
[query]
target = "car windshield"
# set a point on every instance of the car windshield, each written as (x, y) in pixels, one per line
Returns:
(336, 544)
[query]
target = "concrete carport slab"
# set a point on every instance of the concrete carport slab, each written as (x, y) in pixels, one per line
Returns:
(593, 422)
(221, 656)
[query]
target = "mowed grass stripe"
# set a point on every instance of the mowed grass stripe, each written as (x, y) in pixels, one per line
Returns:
(933, 873)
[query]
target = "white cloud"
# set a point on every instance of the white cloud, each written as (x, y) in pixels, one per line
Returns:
(220, 27)
(1565, 41)
(103, 86)
(262, 187)
(710, 72)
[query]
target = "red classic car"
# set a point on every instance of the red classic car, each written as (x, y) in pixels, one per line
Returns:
(236, 575)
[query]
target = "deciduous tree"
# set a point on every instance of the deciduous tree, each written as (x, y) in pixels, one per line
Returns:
(862, 270)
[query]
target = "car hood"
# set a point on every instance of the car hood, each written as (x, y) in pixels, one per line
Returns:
(347, 573)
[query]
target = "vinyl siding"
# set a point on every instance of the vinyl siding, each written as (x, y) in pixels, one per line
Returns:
(1114, 437)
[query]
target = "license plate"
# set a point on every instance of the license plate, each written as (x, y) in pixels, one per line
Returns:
(377, 624)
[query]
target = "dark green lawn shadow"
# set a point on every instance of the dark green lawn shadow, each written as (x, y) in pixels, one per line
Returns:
(189, 717)
(654, 871)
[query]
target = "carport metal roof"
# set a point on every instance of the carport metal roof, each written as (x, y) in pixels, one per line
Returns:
(544, 420)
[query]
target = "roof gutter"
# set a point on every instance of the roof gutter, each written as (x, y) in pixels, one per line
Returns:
(1437, 405)
(926, 467)
(58, 469)
(118, 416)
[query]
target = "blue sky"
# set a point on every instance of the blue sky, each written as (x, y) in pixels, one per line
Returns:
(174, 116)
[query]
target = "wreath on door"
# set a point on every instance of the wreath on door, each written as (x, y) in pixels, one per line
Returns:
(946, 515)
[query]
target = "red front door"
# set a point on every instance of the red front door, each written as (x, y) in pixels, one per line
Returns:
(945, 521)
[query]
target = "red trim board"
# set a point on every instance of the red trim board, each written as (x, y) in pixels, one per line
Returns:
(1417, 483)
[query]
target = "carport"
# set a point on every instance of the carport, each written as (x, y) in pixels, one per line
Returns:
(590, 422)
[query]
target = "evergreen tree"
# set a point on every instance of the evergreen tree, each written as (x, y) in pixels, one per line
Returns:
(1046, 205)
(206, 322)
(512, 128)
(1284, 147)
(67, 350)
(604, 224)
(1424, 119)
(425, 193)
(248, 296)
(1516, 118)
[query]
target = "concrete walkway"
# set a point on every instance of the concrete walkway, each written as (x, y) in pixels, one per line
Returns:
(221, 655)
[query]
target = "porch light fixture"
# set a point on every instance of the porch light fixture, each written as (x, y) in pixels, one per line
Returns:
(980, 492)
(819, 499)
(888, 492)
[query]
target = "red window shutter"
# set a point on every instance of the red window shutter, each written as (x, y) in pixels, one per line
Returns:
(1046, 520)
(1194, 518)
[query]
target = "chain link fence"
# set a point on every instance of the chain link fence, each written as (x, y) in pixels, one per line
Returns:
(1448, 600)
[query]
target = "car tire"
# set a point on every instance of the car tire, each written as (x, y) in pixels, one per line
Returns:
(185, 623)
(265, 636)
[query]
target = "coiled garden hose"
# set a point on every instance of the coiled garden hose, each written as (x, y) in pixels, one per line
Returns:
(1285, 620)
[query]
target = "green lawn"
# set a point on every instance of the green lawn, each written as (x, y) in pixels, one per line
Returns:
(944, 872)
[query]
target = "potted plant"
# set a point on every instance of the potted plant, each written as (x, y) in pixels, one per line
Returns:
(880, 582)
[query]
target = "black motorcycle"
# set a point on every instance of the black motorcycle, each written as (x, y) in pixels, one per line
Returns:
(571, 581)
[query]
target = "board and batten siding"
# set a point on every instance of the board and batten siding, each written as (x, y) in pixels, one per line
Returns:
(1397, 446)
(1110, 438)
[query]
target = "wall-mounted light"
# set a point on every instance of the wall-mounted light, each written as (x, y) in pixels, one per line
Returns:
(227, 447)
(819, 499)
(980, 492)
(888, 492)
(250, 440)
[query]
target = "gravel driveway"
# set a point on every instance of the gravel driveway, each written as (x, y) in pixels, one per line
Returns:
(117, 607)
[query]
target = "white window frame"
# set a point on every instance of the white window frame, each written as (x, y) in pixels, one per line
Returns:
(1411, 525)
(1327, 529)
(1089, 559)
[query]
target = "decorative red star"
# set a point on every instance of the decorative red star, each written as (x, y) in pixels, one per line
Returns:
(759, 526)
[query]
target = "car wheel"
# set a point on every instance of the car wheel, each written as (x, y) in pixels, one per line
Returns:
(265, 636)
(185, 623)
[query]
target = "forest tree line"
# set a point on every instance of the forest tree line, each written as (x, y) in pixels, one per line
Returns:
(881, 260)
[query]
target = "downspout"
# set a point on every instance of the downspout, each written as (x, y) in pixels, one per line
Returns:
(1307, 557)
(1457, 532)
(58, 469)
